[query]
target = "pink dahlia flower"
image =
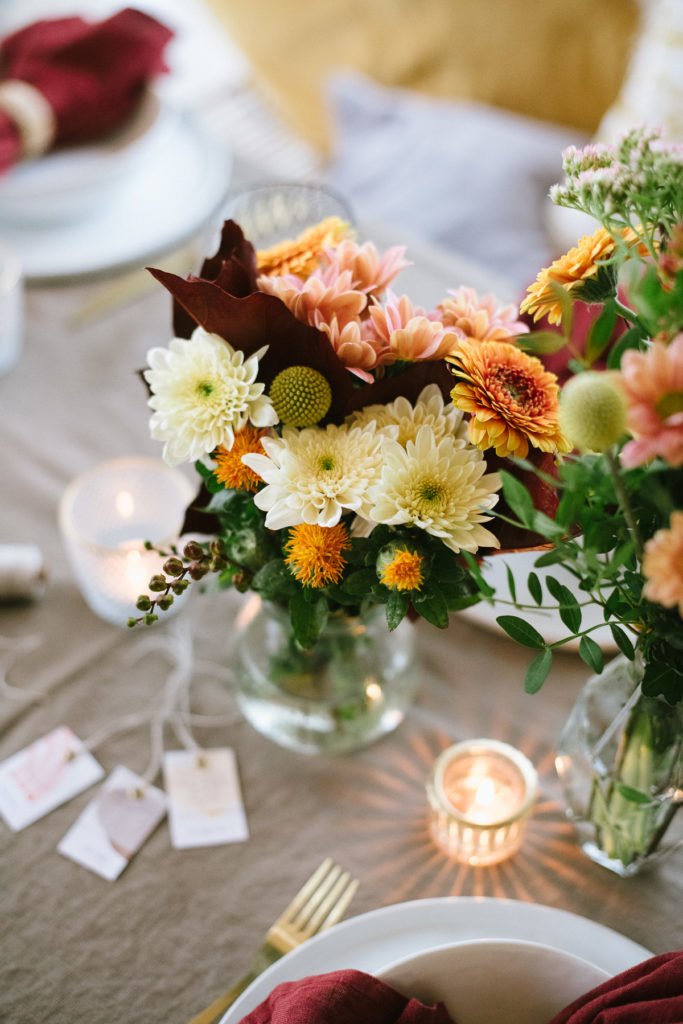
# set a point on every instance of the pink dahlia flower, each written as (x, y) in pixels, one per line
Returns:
(371, 273)
(356, 351)
(653, 382)
(405, 332)
(663, 565)
(323, 297)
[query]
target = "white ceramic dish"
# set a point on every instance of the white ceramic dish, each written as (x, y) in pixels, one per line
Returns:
(490, 981)
(548, 623)
(372, 941)
(164, 201)
(69, 184)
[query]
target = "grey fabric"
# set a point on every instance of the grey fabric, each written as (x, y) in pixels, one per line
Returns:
(472, 178)
(178, 927)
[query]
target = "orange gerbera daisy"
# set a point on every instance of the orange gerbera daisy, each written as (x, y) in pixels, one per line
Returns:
(511, 398)
(302, 255)
(403, 571)
(571, 271)
(316, 553)
(230, 470)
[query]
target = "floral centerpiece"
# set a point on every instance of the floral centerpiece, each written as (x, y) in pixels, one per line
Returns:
(349, 444)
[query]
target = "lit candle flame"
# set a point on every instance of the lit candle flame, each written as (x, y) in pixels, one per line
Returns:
(485, 793)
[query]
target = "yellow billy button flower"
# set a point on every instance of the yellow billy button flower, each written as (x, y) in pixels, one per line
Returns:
(315, 554)
(593, 411)
(301, 396)
(399, 568)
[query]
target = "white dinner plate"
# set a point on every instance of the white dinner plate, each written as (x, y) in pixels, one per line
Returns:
(165, 201)
(372, 941)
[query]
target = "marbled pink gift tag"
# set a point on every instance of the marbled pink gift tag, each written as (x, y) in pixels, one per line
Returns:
(115, 824)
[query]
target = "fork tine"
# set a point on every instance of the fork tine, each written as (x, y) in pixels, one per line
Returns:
(305, 891)
(327, 904)
(340, 909)
(316, 897)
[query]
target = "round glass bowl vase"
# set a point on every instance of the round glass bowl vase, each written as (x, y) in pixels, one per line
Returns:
(353, 686)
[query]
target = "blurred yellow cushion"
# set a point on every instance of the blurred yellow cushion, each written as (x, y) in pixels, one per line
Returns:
(558, 60)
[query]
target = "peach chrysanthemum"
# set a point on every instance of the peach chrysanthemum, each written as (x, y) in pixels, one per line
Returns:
(405, 332)
(370, 272)
(663, 565)
(511, 398)
(315, 554)
(303, 254)
(404, 571)
(321, 298)
(355, 349)
(472, 316)
(230, 470)
(570, 271)
(653, 382)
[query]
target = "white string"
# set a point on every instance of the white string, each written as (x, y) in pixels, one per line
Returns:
(23, 645)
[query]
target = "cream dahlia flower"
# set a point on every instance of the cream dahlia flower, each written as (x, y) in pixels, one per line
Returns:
(402, 421)
(314, 475)
(203, 392)
(440, 487)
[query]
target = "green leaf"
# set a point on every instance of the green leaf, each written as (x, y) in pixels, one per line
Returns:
(634, 795)
(568, 606)
(213, 486)
(601, 332)
(591, 653)
(432, 607)
(273, 579)
(521, 631)
(622, 641)
(396, 608)
(660, 679)
(511, 583)
(534, 587)
(309, 615)
(538, 670)
(485, 589)
(360, 582)
(632, 338)
(517, 498)
(541, 343)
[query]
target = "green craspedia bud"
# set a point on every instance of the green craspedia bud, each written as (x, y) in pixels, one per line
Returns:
(593, 411)
(301, 396)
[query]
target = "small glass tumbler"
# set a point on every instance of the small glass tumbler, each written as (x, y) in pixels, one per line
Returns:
(481, 794)
(272, 213)
(11, 309)
(106, 515)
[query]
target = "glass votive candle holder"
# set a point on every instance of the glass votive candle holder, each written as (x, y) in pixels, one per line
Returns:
(481, 793)
(106, 515)
(268, 214)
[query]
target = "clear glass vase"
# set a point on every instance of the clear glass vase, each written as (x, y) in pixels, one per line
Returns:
(620, 760)
(353, 686)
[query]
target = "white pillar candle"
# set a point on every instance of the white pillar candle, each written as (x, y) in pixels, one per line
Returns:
(11, 309)
(106, 515)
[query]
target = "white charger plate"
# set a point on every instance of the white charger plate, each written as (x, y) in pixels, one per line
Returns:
(166, 200)
(372, 941)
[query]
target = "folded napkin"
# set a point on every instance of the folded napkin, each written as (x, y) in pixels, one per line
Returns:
(88, 76)
(343, 997)
(650, 993)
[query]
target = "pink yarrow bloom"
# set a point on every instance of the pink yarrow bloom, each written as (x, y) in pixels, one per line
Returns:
(370, 272)
(472, 316)
(653, 382)
(325, 296)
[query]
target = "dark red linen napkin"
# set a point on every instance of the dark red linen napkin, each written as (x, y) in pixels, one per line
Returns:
(343, 997)
(649, 993)
(91, 73)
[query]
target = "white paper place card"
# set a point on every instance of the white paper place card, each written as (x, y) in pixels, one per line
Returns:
(204, 798)
(35, 780)
(115, 824)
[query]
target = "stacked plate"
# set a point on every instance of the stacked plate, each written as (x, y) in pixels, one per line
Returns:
(487, 959)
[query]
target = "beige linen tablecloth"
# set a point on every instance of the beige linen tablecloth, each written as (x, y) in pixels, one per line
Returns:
(178, 927)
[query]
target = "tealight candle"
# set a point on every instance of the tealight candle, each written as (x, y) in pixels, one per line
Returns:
(481, 794)
(106, 515)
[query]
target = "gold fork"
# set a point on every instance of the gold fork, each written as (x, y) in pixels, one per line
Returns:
(320, 903)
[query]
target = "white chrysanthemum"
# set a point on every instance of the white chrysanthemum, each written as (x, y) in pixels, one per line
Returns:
(439, 486)
(203, 392)
(315, 475)
(401, 420)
